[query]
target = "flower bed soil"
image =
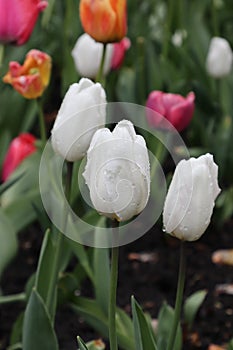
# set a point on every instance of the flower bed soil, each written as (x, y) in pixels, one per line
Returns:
(148, 270)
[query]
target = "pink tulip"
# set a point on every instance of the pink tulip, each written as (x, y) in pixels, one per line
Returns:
(118, 54)
(18, 18)
(20, 148)
(166, 109)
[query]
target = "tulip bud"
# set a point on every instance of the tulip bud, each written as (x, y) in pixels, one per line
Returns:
(105, 20)
(83, 52)
(86, 48)
(82, 112)
(32, 78)
(20, 148)
(219, 58)
(18, 18)
(118, 54)
(191, 197)
(117, 172)
(166, 109)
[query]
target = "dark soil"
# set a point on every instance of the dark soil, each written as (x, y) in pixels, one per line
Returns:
(147, 269)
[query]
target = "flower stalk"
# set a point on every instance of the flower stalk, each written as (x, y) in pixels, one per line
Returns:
(179, 296)
(2, 49)
(100, 75)
(41, 121)
(113, 288)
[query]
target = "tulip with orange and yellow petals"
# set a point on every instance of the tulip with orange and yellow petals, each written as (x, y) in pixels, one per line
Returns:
(104, 20)
(30, 79)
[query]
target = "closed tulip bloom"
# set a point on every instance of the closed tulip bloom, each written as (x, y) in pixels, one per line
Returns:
(18, 18)
(31, 78)
(118, 172)
(104, 20)
(119, 50)
(82, 112)
(219, 58)
(20, 148)
(87, 54)
(191, 197)
(166, 109)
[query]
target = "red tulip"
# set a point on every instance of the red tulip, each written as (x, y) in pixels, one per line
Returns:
(166, 109)
(18, 18)
(20, 148)
(119, 50)
(104, 20)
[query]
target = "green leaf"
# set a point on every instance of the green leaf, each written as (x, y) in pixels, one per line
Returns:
(165, 321)
(38, 332)
(18, 200)
(8, 246)
(81, 344)
(16, 332)
(142, 330)
(230, 345)
(191, 306)
(9, 183)
(80, 252)
(94, 316)
(45, 265)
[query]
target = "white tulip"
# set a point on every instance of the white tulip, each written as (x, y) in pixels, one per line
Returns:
(191, 197)
(82, 112)
(118, 172)
(87, 54)
(219, 58)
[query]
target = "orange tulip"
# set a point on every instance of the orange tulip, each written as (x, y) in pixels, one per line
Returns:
(104, 20)
(30, 79)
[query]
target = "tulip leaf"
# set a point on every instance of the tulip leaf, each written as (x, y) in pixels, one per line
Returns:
(8, 246)
(230, 345)
(165, 321)
(80, 252)
(18, 199)
(191, 306)
(38, 332)
(94, 316)
(144, 338)
(81, 344)
(9, 183)
(16, 332)
(44, 270)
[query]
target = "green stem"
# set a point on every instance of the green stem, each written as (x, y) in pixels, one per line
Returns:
(214, 19)
(41, 121)
(5, 299)
(100, 75)
(2, 49)
(159, 152)
(168, 25)
(179, 297)
(113, 290)
(58, 247)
